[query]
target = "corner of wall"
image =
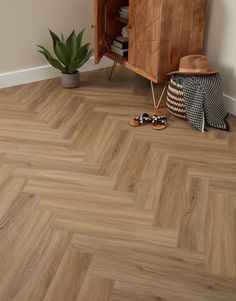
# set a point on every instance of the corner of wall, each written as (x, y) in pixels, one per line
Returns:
(230, 103)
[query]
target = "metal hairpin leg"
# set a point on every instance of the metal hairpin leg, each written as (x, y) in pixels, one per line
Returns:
(156, 106)
(112, 70)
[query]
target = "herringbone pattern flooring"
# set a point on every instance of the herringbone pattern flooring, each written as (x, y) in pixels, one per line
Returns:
(94, 210)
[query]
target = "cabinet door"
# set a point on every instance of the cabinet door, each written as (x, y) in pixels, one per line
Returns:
(100, 29)
(144, 37)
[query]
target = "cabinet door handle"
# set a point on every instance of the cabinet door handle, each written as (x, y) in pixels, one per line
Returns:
(129, 26)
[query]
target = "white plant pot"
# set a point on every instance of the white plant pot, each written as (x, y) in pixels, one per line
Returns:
(70, 80)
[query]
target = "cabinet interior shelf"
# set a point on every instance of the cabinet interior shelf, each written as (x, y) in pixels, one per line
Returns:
(121, 20)
(118, 58)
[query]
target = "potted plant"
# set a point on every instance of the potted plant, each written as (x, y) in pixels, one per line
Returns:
(70, 56)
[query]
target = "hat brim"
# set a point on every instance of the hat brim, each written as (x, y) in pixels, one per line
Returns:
(209, 72)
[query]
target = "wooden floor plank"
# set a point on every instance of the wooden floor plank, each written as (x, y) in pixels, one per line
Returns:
(221, 239)
(127, 291)
(193, 217)
(137, 250)
(96, 289)
(43, 268)
(69, 277)
(165, 277)
(23, 255)
(173, 194)
(9, 193)
(132, 166)
(58, 190)
(14, 218)
(149, 188)
(117, 229)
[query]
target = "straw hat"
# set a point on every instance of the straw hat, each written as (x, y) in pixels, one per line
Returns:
(194, 65)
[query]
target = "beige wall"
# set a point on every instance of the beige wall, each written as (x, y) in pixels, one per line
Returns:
(25, 23)
(221, 41)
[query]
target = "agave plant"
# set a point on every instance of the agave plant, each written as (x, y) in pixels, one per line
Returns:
(70, 54)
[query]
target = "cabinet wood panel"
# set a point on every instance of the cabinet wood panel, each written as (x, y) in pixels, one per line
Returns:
(144, 36)
(182, 32)
(100, 29)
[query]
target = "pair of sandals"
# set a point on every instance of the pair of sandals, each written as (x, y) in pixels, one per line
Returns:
(158, 121)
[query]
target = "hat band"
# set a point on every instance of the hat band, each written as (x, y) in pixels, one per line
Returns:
(193, 70)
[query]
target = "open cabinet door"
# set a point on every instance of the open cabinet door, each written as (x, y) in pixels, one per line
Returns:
(144, 36)
(100, 29)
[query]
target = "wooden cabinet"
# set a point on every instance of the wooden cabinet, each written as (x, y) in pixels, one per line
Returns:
(160, 33)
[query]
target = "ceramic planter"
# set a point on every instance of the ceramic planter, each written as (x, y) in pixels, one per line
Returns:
(70, 81)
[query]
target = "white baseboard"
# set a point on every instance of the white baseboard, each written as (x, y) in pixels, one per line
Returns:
(30, 75)
(230, 104)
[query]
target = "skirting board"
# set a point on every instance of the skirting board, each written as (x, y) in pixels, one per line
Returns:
(25, 76)
(230, 104)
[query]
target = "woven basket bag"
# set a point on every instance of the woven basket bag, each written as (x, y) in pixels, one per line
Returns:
(175, 100)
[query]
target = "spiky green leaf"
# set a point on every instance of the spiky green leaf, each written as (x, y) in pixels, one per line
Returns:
(70, 38)
(45, 50)
(85, 59)
(54, 62)
(71, 44)
(79, 39)
(82, 52)
(62, 53)
(62, 38)
(55, 38)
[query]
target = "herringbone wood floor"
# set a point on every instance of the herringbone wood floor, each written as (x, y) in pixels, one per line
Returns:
(94, 210)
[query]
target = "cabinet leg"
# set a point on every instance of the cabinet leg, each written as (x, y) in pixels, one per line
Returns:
(112, 70)
(156, 105)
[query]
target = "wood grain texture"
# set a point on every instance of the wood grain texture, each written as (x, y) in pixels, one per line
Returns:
(144, 36)
(182, 33)
(72, 269)
(221, 236)
(92, 209)
(194, 215)
(96, 289)
(100, 37)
